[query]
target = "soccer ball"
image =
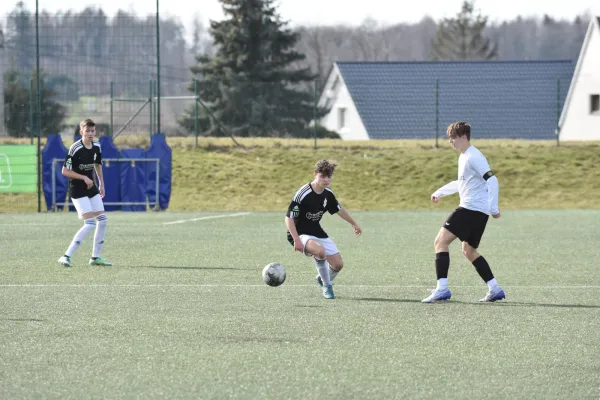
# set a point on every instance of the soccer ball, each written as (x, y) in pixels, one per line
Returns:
(274, 274)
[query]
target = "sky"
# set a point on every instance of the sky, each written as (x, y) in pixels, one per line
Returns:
(331, 12)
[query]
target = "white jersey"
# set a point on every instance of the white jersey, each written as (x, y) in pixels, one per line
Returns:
(475, 190)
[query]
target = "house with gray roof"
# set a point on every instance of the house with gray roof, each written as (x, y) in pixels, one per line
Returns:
(580, 118)
(418, 100)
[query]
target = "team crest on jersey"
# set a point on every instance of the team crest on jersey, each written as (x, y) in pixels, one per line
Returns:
(325, 204)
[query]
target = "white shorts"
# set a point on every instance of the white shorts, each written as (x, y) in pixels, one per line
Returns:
(327, 243)
(85, 205)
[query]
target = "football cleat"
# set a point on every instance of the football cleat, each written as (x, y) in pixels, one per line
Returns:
(65, 261)
(493, 295)
(100, 261)
(319, 281)
(438, 295)
(328, 292)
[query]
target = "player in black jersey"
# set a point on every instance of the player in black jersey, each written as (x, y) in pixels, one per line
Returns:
(85, 157)
(305, 233)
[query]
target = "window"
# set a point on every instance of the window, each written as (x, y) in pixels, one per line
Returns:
(341, 117)
(595, 104)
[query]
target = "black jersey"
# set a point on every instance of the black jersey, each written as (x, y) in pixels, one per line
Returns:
(307, 209)
(80, 159)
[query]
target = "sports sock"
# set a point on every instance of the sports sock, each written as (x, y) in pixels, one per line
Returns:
(82, 233)
(99, 235)
(323, 270)
(492, 284)
(333, 273)
(442, 265)
(484, 270)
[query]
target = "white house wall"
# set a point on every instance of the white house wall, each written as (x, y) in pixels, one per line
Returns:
(338, 98)
(579, 123)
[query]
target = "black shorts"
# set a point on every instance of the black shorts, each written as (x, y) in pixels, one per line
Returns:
(467, 225)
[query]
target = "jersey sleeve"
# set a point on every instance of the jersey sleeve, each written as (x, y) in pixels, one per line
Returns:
(68, 164)
(293, 210)
(481, 166)
(98, 159)
(333, 206)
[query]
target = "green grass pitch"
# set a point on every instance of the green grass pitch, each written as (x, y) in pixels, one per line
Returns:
(183, 313)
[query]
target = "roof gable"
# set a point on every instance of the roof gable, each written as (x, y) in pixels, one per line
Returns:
(498, 98)
(594, 25)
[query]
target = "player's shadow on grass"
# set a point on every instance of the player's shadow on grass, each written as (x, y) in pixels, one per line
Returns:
(521, 304)
(499, 303)
(23, 319)
(190, 268)
(379, 299)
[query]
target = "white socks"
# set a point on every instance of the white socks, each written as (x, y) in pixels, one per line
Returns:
(323, 270)
(99, 235)
(333, 273)
(86, 229)
(442, 284)
(492, 284)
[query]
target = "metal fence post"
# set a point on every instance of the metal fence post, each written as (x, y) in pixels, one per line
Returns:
(196, 110)
(112, 95)
(557, 112)
(39, 105)
(437, 99)
(150, 100)
(315, 111)
(31, 108)
(157, 68)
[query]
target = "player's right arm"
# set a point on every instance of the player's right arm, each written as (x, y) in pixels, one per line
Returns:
(446, 190)
(291, 226)
(292, 213)
(69, 173)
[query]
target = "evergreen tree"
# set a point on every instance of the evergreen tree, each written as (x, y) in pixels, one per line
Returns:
(20, 36)
(462, 37)
(250, 84)
(17, 105)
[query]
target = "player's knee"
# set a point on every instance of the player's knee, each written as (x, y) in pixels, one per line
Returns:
(337, 266)
(439, 242)
(468, 251)
(102, 218)
(320, 254)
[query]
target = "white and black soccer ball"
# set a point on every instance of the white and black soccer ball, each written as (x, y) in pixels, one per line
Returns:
(274, 274)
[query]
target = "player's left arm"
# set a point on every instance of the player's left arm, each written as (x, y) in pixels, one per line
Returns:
(493, 187)
(345, 215)
(334, 207)
(99, 174)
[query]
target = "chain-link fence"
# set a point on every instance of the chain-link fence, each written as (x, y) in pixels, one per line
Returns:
(83, 59)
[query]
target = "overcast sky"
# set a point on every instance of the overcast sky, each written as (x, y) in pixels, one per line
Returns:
(329, 12)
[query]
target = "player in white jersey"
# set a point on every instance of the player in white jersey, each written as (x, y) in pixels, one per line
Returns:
(305, 233)
(85, 157)
(478, 191)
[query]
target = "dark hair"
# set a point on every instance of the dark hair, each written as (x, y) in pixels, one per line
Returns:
(325, 167)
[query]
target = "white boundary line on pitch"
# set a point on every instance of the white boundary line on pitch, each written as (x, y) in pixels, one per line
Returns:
(181, 221)
(183, 285)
